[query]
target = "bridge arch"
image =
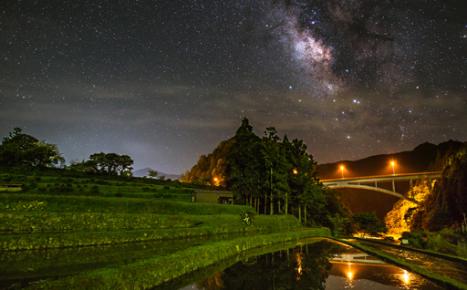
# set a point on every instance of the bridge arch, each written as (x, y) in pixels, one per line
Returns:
(370, 188)
(373, 183)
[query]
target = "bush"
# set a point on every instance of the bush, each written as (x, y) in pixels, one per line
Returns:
(94, 189)
(416, 239)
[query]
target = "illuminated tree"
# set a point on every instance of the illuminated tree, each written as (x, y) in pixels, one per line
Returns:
(405, 215)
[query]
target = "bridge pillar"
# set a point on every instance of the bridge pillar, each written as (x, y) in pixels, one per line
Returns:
(394, 185)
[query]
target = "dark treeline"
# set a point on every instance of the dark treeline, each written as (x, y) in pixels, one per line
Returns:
(273, 175)
(22, 150)
(25, 151)
(105, 163)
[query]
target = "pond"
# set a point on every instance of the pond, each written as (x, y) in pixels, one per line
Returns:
(315, 265)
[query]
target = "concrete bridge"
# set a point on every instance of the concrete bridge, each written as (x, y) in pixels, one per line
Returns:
(374, 183)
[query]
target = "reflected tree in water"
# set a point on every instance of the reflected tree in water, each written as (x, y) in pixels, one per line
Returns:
(305, 267)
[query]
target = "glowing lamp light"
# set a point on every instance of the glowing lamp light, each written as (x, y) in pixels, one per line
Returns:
(349, 275)
(216, 181)
(393, 166)
(342, 169)
(299, 266)
(295, 171)
(406, 277)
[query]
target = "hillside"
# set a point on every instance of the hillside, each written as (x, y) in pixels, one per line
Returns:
(210, 169)
(424, 157)
(145, 171)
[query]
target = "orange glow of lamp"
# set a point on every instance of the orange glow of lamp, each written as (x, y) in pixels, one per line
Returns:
(393, 166)
(342, 169)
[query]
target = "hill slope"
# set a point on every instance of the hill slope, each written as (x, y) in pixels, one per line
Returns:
(145, 171)
(424, 157)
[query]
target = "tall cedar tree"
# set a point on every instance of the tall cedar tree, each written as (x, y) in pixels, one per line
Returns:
(276, 168)
(243, 165)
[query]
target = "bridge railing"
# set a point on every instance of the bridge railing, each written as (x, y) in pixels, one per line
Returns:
(371, 178)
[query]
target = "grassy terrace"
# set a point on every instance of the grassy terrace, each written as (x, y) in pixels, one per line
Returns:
(89, 226)
(34, 221)
(154, 271)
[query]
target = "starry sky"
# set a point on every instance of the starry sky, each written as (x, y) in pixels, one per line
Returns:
(166, 80)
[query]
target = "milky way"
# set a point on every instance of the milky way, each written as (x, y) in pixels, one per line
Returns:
(166, 81)
(308, 51)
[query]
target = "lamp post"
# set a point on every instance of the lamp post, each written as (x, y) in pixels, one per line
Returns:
(342, 168)
(393, 165)
(216, 181)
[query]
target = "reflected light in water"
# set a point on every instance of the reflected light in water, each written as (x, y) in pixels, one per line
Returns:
(299, 265)
(406, 277)
(349, 272)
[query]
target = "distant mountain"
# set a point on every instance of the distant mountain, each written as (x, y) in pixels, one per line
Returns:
(424, 157)
(144, 172)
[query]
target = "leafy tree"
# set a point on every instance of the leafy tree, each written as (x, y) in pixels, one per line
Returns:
(335, 215)
(268, 173)
(19, 149)
(106, 163)
(243, 165)
(368, 222)
(153, 173)
(86, 166)
(306, 191)
(276, 168)
(406, 215)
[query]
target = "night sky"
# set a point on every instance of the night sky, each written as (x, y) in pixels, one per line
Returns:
(165, 81)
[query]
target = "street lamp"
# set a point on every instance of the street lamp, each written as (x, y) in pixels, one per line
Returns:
(342, 168)
(295, 171)
(393, 165)
(216, 181)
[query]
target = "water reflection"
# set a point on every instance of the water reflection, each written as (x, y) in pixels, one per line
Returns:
(320, 265)
(360, 270)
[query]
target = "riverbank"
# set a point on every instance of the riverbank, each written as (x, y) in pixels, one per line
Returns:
(153, 271)
(444, 280)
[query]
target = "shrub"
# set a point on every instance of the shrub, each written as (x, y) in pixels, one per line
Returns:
(416, 239)
(94, 189)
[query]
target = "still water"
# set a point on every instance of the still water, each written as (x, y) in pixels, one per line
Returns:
(316, 265)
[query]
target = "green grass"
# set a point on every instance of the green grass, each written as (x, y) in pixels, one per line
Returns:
(154, 271)
(59, 203)
(77, 230)
(95, 186)
(43, 222)
(10, 189)
(38, 221)
(71, 212)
